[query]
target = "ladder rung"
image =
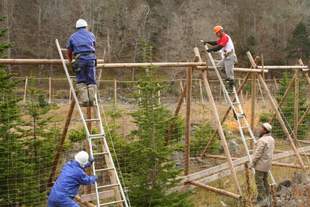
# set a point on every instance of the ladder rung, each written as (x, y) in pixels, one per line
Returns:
(240, 115)
(104, 169)
(91, 136)
(72, 76)
(113, 202)
(89, 120)
(100, 153)
(107, 186)
(236, 103)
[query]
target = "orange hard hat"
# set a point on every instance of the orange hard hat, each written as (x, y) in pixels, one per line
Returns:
(217, 28)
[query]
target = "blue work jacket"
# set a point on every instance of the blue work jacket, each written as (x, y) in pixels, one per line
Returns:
(83, 41)
(68, 182)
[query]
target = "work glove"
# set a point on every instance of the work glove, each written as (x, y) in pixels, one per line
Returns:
(91, 160)
(209, 50)
(203, 42)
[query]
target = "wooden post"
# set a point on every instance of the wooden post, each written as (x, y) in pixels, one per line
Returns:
(115, 92)
(220, 131)
(296, 104)
(158, 94)
(60, 144)
(188, 120)
(281, 121)
(201, 92)
(253, 100)
(49, 90)
(25, 89)
(182, 88)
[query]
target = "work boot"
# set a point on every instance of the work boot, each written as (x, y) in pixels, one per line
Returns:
(82, 94)
(92, 91)
(230, 83)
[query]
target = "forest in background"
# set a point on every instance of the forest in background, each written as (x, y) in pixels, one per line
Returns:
(172, 27)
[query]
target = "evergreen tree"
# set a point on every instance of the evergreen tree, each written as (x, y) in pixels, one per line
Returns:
(299, 44)
(39, 141)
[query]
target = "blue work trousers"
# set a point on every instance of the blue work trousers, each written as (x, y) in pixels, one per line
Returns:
(87, 73)
(62, 201)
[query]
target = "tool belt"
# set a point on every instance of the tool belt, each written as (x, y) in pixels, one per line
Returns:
(226, 54)
(76, 63)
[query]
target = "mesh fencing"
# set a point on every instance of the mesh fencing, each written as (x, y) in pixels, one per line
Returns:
(28, 160)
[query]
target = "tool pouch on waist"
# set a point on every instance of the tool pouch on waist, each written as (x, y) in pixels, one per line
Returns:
(76, 64)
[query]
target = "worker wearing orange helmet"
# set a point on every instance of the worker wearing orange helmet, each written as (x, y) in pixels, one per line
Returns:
(225, 45)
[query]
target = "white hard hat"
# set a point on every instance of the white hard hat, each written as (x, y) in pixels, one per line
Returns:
(81, 23)
(82, 158)
(267, 126)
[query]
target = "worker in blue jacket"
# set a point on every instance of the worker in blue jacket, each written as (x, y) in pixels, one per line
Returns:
(71, 177)
(81, 46)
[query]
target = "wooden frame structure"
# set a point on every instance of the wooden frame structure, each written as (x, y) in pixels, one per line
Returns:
(233, 165)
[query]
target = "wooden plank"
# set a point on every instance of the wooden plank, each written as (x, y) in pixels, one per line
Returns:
(84, 203)
(253, 105)
(219, 171)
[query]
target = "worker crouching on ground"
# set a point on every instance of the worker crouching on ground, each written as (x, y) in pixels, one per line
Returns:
(71, 177)
(81, 45)
(225, 45)
(262, 162)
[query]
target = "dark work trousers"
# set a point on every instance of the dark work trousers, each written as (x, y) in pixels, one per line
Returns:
(262, 185)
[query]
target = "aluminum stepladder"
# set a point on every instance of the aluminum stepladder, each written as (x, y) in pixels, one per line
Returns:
(103, 165)
(238, 112)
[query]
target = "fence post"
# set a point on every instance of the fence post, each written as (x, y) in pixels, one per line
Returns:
(25, 89)
(49, 90)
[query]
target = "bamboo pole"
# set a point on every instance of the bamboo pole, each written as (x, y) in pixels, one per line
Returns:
(216, 190)
(296, 104)
(188, 120)
(281, 164)
(25, 89)
(70, 96)
(49, 90)
(220, 130)
(281, 121)
(60, 145)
